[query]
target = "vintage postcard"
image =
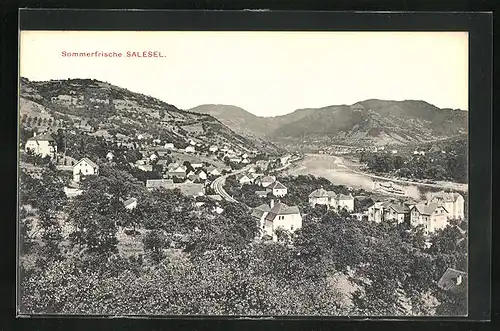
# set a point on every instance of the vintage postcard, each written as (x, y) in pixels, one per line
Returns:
(248, 173)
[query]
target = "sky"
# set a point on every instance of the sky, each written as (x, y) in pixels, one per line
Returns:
(266, 73)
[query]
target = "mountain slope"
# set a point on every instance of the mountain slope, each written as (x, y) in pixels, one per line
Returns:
(372, 121)
(236, 118)
(113, 111)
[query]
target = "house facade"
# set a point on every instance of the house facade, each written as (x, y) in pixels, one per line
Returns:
(201, 174)
(213, 171)
(453, 202)
(397, 212)
(322, 197)
(331, 200)
(389, 211)
(431, 215)
(345, 202)
(376, 211)
(281, 216)
(244, 179)
(84, 167)
(277, 189)
(43, 145)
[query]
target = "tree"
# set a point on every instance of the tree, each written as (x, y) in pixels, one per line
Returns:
(59, 138)
(51, 235)
(154, 242)
(25, 229)
(94, 222)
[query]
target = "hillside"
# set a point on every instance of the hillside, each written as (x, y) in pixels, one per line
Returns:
(106, 110)
(236, 118)
(373, 122)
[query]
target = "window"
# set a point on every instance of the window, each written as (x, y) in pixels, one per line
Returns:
(291, 227)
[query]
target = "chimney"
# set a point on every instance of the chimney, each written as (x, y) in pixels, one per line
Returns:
(272, 203)
(459, 280)
(34, 134)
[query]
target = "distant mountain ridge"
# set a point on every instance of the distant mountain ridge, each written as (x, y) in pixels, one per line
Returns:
(375, 122)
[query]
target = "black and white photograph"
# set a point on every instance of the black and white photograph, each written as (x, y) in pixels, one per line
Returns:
(243, 173)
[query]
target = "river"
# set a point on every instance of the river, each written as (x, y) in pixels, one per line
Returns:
(334, 169)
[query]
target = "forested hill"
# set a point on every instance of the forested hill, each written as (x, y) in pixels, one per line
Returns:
(111, 111)
(372, 122)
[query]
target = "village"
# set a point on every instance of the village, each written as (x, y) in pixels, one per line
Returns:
(255, 187)
(195, 176)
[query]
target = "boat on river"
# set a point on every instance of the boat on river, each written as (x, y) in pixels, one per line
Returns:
(390, 188)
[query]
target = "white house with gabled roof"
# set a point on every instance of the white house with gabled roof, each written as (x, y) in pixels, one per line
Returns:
(43, 145)
(85, 167)
(281, 216)
(277, 189)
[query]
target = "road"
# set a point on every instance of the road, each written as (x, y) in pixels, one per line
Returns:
(217, 184)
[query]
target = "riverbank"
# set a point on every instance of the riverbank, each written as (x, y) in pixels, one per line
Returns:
(342, 172)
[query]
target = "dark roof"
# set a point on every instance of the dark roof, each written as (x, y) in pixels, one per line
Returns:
(399, 208)
(281, 209)
(427, 209)
(448, 281)
(42, 137)
(260, 210)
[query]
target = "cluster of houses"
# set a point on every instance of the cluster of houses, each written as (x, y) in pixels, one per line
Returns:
(198, 172)
(269, 184)
(432, 214)
(332, 200)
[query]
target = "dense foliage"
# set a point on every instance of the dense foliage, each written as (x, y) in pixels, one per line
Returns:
(446, 163)
(298, 190)
(193, 260)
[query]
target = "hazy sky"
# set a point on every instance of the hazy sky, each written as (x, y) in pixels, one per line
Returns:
(266, 73)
